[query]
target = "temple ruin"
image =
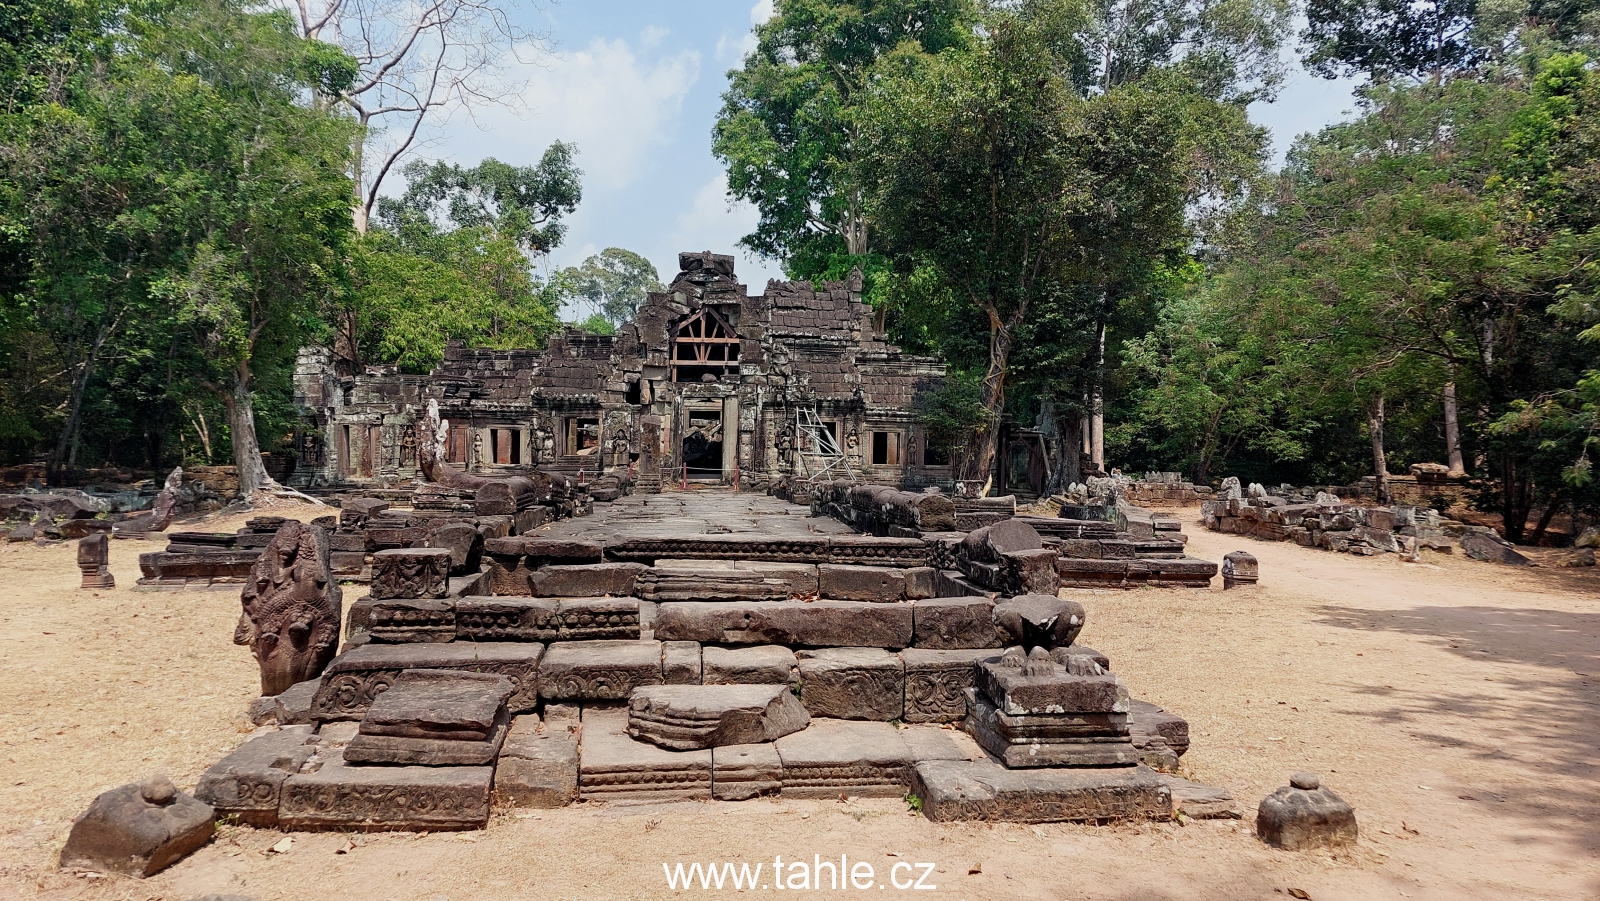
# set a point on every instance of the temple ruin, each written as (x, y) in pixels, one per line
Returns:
(742, 386)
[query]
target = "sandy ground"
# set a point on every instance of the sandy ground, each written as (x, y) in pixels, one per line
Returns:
(1455, 704)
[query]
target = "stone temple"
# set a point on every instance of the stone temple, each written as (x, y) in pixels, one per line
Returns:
(723, 373)
(518, 606)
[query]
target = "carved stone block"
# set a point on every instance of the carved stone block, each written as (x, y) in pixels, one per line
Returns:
(727, 580)
(1020, 691)
(380, 798)
(410, 573)
(480, 618)
(599, 670)
(614, 766)
(1238, 568)
(833, 757)
(1039, 621)
(817, 624)
(1054, 739)
(688, 717)
(408, 620)
(358, 676)
(852, 683)
(937, 683)
(246, 784)
(952, 623)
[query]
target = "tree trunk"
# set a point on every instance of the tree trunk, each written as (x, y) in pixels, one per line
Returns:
(1380, 464)
(66, 451)
(1516, 499)
(1097, 425)
(1452, 431)
(994, 396)
(1550, 508)
(242, 425)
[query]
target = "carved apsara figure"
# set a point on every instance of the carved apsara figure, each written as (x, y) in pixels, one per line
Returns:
(292, 609)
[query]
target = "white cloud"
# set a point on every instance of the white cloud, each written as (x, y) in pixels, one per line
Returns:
(652, 35)
(761, 12)
(618, 108)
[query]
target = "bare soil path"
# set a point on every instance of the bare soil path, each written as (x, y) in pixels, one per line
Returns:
(1455, 704)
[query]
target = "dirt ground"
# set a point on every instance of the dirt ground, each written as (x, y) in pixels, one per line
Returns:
(1454, 703)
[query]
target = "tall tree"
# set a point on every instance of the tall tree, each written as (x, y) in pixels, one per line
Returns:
(614, 281)
(788, 132)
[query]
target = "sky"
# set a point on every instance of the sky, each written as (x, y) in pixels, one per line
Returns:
(637, 84)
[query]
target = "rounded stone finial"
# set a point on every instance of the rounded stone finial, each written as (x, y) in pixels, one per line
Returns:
(158, 790)
(1307, 781)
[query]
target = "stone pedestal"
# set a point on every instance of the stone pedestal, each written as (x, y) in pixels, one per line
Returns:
(93, 555)
(1239, 568)
(1034, 711)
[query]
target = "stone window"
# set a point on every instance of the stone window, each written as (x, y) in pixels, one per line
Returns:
(886, 448)
(583, 436)
(704, 347)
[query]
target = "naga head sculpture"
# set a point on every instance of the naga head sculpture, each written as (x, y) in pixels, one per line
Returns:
(291, 609)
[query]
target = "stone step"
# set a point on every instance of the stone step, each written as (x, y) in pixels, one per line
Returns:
(986, 791)
(247, 783)
(853, 683)
(727, 580)
(538, 765)
(344, 796)
(357, 676)
(547, 619)
(614, 767)
(599, 670)
(815, 624)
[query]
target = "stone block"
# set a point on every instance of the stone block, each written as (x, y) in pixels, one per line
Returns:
(952, 623)
(728, 580)
(481, 618)
(937, 683)
(465, 544)
(741, 772)
(982, 790)
(1239, 568)
(293, 707)
(842, 582)
(1032, 572)
(384, 798)
(680, 662)
(1017, 691)
(1479, 546)
(1304, 815)
(817, 624)
(246, 784)
(758, 665)
(410, 573)
(921, 582)
(598, 670)
(839, 757)
(358, 676)
(1050, 740)
(411, 620)
(852, 683)
(591, 581)
(1150, 725)
(1200, 802)
(614, 767)
(538, 766)
(138, 830)
(690, 717)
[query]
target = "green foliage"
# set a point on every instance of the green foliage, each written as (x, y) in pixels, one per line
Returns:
(597, 324)
(614, 281)
(523, 203)
(952, 413)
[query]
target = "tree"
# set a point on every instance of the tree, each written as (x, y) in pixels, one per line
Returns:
(173, 183)
(788, 131)
(614, 281)
(525, 204)
(416, 61)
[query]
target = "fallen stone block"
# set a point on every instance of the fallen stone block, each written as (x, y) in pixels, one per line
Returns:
(358, 676)
(387, 798)
(690, 717)
(245, 785)
(758, 665)
(598, 670)
(1479, 546)
(727, 580)
(538, 766)
(982, 790)
(293, 707)
(614, 767)
(435, 718)
(816, 624)
(852, 683)
(138, 830)
(834, 757)
(1304, 815)
(1200, 802)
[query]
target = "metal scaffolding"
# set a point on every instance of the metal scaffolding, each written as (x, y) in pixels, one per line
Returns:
(819, 452)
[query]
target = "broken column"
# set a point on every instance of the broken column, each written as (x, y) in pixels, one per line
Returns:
(1239, 568)
(94, 553)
